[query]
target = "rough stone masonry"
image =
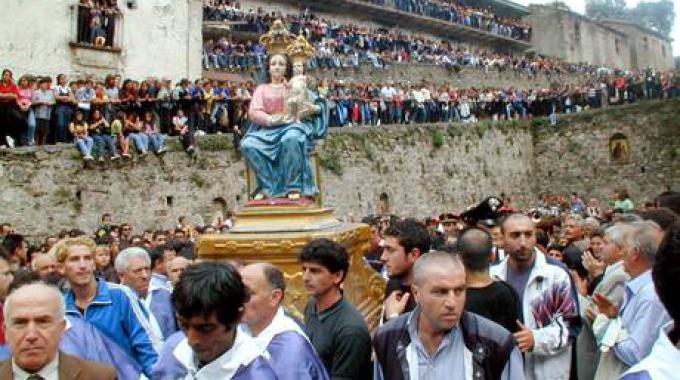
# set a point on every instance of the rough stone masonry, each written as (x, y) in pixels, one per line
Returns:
(422, 170)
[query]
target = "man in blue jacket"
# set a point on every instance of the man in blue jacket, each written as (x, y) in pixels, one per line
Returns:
(106, 306)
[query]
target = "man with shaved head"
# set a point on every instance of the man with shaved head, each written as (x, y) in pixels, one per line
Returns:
(291, 354)
(491, 298)
(35, 319)
(439, 339)
(549, 312)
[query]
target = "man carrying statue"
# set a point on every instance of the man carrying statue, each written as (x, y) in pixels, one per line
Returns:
(286, 119)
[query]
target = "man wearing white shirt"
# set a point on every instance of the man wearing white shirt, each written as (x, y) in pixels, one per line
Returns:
(209, 299)
(35, 320)
(133, 267)
(291, 354)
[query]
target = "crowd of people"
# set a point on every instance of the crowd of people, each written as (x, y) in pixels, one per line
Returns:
(115, 118)
(340, 45)
(566, 290)
(256, 20)
(97, 22)
(456, 12)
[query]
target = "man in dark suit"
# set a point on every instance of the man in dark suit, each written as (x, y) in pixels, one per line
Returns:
(34, 319)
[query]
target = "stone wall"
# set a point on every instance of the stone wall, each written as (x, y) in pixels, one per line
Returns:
(575, 38)
(575, 155)
(423, 170)
(649, 48)
(155, 38)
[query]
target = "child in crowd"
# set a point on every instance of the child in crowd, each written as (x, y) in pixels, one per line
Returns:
(186, 135)
(117, 133)
(79, 130)
(152, 129)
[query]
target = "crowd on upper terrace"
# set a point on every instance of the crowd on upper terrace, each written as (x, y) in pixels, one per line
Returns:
(340, 45)
(452, 11)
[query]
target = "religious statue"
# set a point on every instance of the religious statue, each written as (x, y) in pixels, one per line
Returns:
(298, 104)
(286, 119)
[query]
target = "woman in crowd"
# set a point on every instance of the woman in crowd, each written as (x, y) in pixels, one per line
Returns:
(79, 130)
(24, 102)
(622, 202)
(66, 101)
(100, 130)
(9, 115)
(132, 130)
(151, 129)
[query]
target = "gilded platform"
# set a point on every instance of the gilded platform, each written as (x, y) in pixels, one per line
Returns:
(276, 234)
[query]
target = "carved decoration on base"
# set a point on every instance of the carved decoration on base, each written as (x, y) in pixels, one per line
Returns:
(281, 245)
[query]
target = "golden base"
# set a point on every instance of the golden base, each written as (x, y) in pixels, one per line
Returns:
(277, 234)
(283, 219)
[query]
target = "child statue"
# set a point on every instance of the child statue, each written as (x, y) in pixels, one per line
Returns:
(298, 104)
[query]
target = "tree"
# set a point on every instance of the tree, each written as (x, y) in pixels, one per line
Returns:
(601, 9)
(656, 15)
(560, 5)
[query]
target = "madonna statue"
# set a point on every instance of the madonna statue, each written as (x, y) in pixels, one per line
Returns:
(284, 122)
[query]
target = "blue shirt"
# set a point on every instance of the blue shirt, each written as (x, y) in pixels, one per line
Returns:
(663, 363)
(111, 312)
(642, 316)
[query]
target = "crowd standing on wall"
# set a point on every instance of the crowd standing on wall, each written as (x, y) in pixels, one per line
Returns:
(114, 118)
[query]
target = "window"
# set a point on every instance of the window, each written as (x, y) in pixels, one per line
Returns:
(617, 45)
(97, 22)
(577, 32)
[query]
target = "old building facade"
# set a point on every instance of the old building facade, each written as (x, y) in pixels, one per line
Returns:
(610, 43)
(141, 38)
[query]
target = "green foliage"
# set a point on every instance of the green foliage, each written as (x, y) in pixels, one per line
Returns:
(481, 127)
(77, 205)
(455, 130)
(437, 138)
(62, 193)
(173, 144)
(215, 143)
(197, 180)
(330, 160)
(573, 146)
(657, 15)
(606, 9)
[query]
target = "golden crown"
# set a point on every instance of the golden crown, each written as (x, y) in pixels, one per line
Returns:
(277, 39)
(300, 49)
